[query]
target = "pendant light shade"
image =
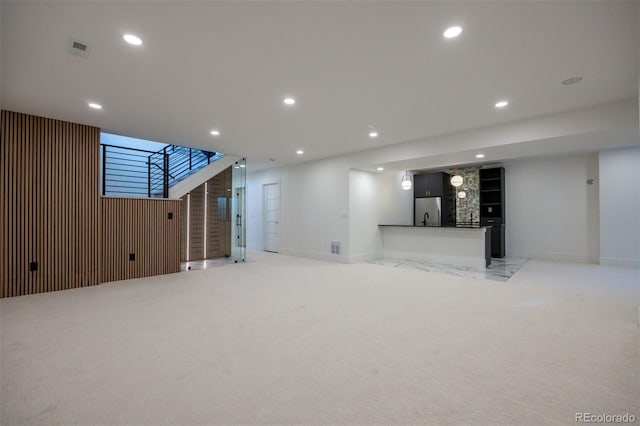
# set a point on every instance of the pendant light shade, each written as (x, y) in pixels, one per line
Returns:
(456, 180)
(406, 182)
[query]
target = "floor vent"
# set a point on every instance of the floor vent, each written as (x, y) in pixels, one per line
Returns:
(335, 247)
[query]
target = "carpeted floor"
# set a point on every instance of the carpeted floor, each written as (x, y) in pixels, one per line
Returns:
(284, 340)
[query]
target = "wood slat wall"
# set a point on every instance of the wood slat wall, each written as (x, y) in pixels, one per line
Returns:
(51, 213)
(139, 226)
(219, 215)
(196, 223)
(48, 204)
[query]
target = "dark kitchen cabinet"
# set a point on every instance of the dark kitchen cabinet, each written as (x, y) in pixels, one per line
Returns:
(492, 207)
(430, 184)
(497, 241)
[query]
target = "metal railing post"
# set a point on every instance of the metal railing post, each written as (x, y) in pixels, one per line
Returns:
(190, 150)
(149, 176)
(104, 169)
(166, 174)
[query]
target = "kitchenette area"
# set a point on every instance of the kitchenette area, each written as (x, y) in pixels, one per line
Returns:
(458, 219)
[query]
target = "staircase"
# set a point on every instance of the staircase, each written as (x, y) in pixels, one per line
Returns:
(131, 172)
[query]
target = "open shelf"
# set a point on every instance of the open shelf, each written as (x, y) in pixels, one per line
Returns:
(492, 207)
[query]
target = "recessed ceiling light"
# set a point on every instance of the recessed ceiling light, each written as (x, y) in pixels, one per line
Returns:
(132, 39)
(572, 80)
(94, 105)
(289, 101)
(452, 32)
(380, 169)
(373, 134)
(299, 152)
(479, 155)
(215, 132)
(502, 104)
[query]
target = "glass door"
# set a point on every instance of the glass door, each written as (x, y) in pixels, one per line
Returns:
(239, 211)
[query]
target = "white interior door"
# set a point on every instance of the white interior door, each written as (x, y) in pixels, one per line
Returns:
(271, 215)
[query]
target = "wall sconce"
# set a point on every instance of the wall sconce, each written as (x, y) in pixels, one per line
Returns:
(462, 194)
(406, 181)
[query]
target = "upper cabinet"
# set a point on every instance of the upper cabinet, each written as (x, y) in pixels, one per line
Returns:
(430, 185)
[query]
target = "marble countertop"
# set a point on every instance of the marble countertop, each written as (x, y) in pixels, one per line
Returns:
(457, 226)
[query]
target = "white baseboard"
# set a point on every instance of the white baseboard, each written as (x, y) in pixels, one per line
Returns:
(622, 262)
(328, 257)
(470, 262)
(554, 256)
(365, 257)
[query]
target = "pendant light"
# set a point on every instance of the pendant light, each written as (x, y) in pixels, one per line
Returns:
(456, 180)
(406, 181)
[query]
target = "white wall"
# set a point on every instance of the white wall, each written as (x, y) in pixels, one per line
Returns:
(395, 205)
(365, 242)
(324, 201)
(374, 199)
(314, 208)
(620, 207)
(551, 212)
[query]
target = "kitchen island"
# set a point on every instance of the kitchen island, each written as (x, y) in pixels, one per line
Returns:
(461, 245)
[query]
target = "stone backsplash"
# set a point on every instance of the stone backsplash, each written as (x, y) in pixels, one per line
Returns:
(468, 208)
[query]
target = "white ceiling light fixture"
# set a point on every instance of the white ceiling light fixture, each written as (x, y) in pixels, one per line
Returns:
(380, 169)
(502, 104)
(452, 32)
(299, 152)
(289, 101)
(132, 39)
(462, 194)
(215, 132)
(479, 155)
(456, 180)
(406, 182)
(373, 134)
(94, 105)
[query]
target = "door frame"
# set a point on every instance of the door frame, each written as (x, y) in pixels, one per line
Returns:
(264, 214)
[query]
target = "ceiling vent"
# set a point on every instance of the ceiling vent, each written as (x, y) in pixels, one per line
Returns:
(79, 48)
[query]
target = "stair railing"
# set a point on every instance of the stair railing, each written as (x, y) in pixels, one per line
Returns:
(137, 172)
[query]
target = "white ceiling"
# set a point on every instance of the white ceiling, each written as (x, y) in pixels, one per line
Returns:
(228, 65)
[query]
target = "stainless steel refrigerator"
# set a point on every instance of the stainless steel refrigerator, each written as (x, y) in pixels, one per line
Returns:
(428, 211)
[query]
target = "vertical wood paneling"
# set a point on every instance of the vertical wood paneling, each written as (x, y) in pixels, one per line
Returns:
(48, 204)
(196, 223)
(51, 213)
(219, 215)
(140, 226)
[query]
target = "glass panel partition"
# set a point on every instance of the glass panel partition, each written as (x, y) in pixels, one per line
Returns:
(239, 211)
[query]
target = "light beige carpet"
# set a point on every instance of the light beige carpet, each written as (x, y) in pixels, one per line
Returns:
(284, 340)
